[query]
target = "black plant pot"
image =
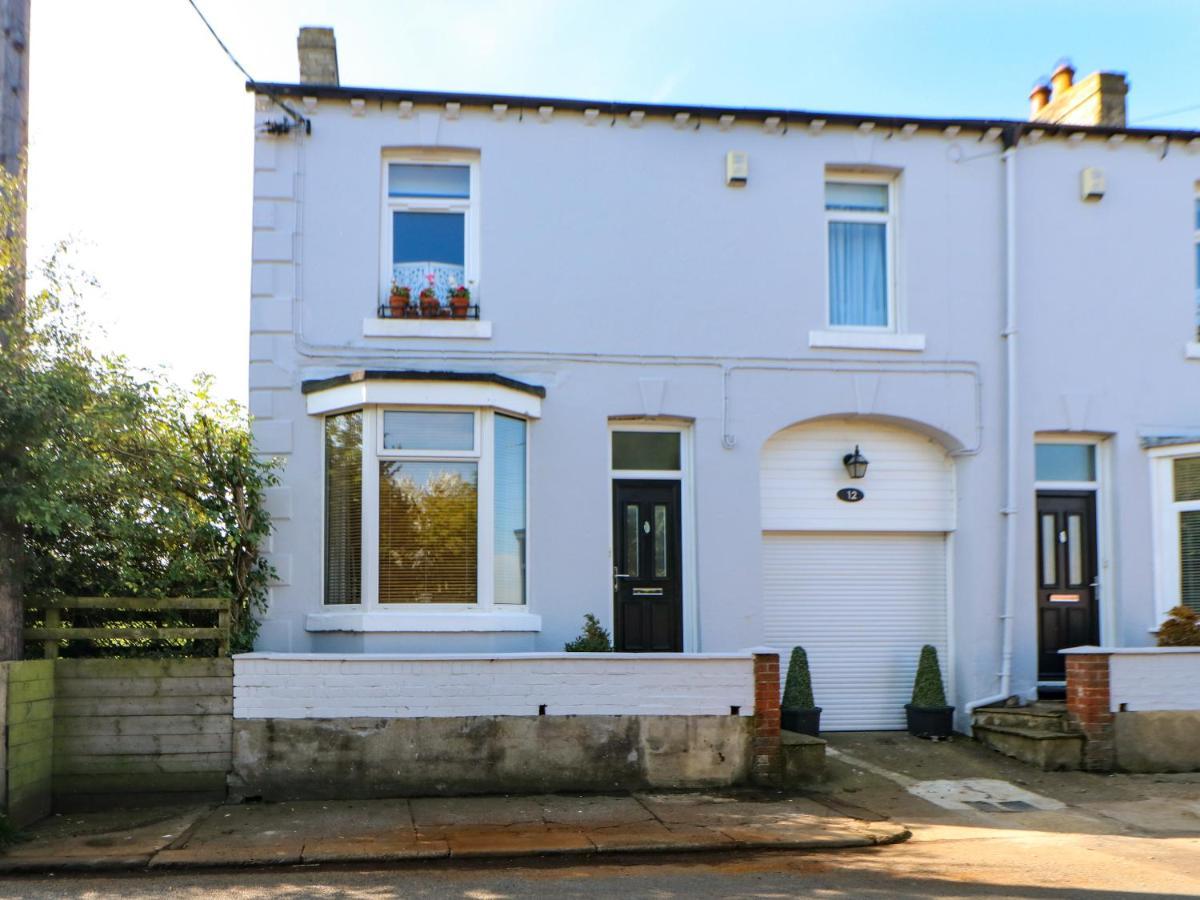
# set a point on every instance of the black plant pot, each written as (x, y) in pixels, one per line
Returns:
(801, 721)
(929, 721)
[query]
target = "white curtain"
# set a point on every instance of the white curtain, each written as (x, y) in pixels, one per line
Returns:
(858, 274)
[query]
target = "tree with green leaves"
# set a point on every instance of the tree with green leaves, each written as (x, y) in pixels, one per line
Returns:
(116, 483)
(593, 639)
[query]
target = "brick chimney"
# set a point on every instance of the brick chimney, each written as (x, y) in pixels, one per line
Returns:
(318, 56)
(1098, 99)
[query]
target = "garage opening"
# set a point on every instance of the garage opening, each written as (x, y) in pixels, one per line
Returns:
(863, 585)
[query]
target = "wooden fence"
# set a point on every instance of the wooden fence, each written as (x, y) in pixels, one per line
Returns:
(160, 729)
(53, 631)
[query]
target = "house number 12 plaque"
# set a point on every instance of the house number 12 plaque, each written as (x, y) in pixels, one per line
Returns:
(850, 495)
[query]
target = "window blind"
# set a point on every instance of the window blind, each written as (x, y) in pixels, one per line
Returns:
(343, 508)
(509, 540)
(428, 514)
(1189, 559)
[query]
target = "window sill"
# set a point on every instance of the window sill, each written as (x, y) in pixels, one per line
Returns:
(1191, 350)
(866, 340)
(406, 621)
(427, 328)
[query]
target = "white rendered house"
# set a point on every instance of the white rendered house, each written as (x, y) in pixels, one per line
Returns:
(683, 325)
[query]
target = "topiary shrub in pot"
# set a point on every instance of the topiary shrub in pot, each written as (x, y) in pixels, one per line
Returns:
(928, 715)
(798, 712)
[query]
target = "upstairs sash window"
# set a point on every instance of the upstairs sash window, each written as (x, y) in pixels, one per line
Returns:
(858, 218)
(428, 221)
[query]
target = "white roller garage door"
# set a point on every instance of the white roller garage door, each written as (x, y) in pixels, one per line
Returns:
(862, 604)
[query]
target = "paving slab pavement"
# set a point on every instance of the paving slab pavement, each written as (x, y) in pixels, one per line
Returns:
(360, 831)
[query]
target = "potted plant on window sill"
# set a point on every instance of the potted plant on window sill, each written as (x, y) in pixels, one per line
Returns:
(928, 716)
(398, 300)
(798, 712)
(431, 307)
(460, 301)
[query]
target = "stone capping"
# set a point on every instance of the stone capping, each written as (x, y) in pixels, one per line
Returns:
(494, 657)
(1126, 651)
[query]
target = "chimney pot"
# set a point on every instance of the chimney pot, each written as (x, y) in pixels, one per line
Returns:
(317, 50)
(1039, 97)
(1062, 77)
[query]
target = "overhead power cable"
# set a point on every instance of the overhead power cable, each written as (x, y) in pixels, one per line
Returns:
(297, 117)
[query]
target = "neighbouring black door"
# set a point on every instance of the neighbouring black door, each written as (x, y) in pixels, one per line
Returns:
(646, 557)
(1066, 596)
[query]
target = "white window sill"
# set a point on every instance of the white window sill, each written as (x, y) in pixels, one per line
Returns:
(433, 328)
(866, 340)
(1191, 350)
(413, 621)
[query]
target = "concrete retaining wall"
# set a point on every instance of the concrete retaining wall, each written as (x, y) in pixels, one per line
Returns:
(323, 726)
(290, 759)
(1138, 707)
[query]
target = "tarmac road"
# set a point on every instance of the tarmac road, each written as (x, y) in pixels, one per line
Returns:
(1046, 867)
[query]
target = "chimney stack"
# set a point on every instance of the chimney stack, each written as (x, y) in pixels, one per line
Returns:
(1098, 99)
(318, 56)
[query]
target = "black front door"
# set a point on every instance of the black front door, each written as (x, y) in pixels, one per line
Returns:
(1066, 595)
(646, 563)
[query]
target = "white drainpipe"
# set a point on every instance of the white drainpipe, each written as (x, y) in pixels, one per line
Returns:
(1011, 443)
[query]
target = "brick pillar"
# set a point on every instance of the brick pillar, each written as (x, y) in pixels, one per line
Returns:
(767, 764)
(1089, 705)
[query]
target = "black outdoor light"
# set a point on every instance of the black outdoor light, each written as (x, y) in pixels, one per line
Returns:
(855, 463)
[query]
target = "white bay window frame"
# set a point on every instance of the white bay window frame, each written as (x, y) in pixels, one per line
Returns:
(482, 615)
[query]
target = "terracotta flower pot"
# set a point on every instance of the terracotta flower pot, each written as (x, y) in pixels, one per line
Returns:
(459, 305)
(430, 307)
(398, 304)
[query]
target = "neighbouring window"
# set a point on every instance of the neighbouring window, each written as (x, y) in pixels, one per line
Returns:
(1186, 512)
(646, 450)
(859, 225)
(1065, 462)
(343, 508)
(429, 212)
(1196, 252)
(419, 479)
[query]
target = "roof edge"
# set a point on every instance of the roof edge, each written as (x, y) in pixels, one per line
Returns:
(311, 386)
(1017, 126)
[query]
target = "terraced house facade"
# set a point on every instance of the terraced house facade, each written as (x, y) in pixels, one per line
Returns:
(726, 378)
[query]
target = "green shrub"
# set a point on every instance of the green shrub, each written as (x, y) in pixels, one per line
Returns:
(1181, 629)
(928, 691)
(797, 691)
(593, 638)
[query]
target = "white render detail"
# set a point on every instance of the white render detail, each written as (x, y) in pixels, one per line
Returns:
(387, 686)
(1154, 679)
(909, 484)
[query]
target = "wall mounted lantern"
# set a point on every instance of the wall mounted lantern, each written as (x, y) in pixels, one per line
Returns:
(855, 463)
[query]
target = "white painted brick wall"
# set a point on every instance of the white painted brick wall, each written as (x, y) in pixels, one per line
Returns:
(301, 686)
(1162, 679)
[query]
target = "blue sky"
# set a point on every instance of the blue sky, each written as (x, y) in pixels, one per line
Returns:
(140, 133)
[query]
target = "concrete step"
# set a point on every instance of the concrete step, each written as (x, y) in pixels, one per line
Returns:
(1048, 750)
(1034, 717)
(803, 758)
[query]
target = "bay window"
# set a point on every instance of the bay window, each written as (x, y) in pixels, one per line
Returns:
(425, 508)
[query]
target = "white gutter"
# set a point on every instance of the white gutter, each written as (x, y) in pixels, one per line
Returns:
(1011, 443)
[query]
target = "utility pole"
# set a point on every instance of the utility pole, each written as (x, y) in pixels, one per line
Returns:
(14, 140)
